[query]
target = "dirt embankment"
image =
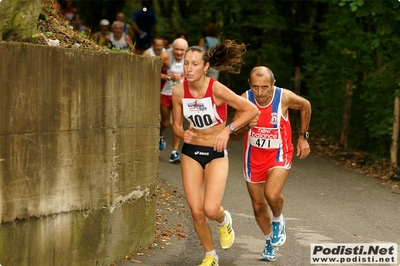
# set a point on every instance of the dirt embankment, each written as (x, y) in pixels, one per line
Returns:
(55, 30)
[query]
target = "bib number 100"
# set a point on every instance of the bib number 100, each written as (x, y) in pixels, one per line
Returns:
(201, 120)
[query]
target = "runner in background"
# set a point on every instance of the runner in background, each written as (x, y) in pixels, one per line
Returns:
(172, 62)
(127, 27)
(156, 49)
(208, 42)
(144, 25)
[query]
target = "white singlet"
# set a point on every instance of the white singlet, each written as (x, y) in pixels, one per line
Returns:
(152, 53)
(174, 67)
(121, 43)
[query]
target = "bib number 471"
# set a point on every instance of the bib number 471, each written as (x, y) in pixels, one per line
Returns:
(261, 143)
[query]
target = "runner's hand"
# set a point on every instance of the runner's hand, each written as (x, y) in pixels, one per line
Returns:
(221, 140)
(254, 121)
(189, 135)
(303, 148)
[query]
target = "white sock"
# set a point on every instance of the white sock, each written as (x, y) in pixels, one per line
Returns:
(212, 252)
(267, 237)
(277, 219)
(224, 221)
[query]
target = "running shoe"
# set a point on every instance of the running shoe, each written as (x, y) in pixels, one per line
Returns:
(210, 260)
(175, 157)
(269, 253)
(278, 237)
(162, 143)
(226, 233)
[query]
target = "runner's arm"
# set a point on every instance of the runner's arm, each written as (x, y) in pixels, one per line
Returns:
(296, 102)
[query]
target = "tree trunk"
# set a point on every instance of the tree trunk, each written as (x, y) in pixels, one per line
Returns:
(346, 114)
(18, 19)
(395, 132)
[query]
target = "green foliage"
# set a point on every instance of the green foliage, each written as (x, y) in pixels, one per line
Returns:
(360, 43)
(83, 34)
(42, 16)
(93, 11)
(333, 41)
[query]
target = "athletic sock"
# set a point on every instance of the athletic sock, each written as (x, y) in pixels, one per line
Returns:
(212, 252)
(224, 221)
(268, 237)
(277, 219)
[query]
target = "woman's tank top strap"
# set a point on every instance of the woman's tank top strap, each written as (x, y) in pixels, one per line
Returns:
(187, 94)
(209, 89)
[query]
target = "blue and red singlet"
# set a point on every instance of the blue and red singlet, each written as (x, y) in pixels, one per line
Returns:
(267, 145)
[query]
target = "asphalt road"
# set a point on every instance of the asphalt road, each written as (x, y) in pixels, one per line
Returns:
(324, 204)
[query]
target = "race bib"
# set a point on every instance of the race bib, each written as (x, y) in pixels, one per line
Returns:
(264, 138)
(199, 112)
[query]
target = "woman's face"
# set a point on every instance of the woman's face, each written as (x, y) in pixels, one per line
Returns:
(194, 66)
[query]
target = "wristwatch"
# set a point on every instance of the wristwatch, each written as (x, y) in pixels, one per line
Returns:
(168, 77)
(232, 128)
(304, 134)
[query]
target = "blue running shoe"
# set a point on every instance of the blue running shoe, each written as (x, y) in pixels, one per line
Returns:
(278, 237)
(162, 143)
(175, 157)
(269, 253)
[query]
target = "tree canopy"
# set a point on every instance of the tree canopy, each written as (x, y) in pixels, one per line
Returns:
(331, 42)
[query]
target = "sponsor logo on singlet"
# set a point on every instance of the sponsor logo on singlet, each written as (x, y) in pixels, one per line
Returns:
(265, 138)
(274, 118)
(195, 106)
(199, 112)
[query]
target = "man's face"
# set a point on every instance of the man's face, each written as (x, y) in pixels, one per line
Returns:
(179, 50)
(121, 17)
(158, 46)
(261, 87)
(104, 28)
(118, 29)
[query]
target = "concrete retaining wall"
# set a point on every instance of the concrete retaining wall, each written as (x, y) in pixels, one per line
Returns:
(78, 154)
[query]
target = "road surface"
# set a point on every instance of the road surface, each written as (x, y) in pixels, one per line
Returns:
(324, 203)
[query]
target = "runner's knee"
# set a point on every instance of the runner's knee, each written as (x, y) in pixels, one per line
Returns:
(198, 215)
(274, 198)
(165, 123)
(212, 213)
(260, 208)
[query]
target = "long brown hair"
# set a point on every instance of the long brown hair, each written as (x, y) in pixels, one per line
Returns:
(224, 56)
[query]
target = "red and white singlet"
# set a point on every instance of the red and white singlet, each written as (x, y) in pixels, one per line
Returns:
(203, 113)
